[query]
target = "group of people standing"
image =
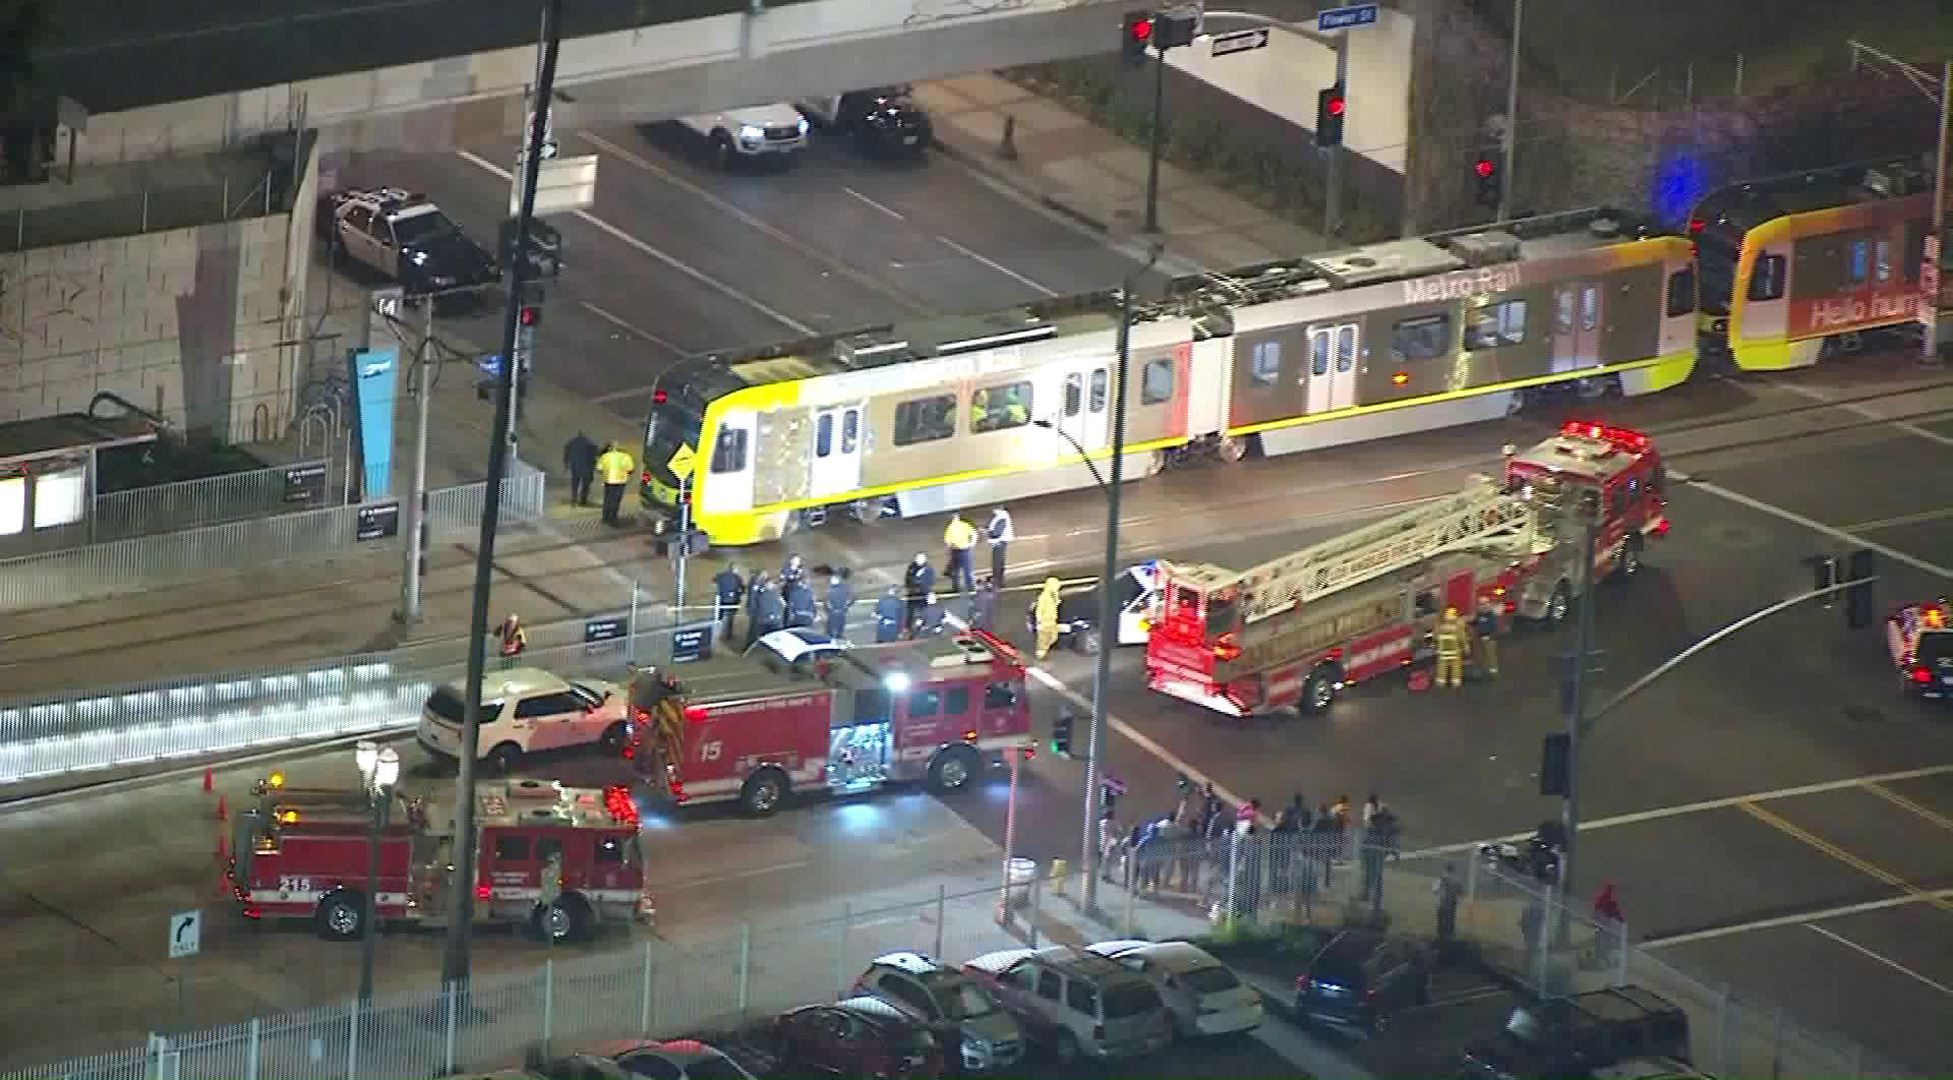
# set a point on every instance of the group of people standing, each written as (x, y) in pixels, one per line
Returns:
(778, 602)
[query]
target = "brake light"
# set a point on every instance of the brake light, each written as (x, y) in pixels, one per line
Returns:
(483, 892)
(1922, 675)
(253, 913)
(1661, 527)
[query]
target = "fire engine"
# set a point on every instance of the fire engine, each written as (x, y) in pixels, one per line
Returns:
(1295, 631)
(736, 728)
(1921, 644)
(301, 853)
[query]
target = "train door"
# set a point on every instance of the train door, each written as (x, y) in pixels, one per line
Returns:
(1083, 406)
(1332, 367)
(835, 467)
(1576, 326)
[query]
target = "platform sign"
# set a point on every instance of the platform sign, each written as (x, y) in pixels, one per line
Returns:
(1239, 41)
(377, 522)
(1346, 18)
(186, 934)
(691, 643)
(604, 632)
(305, 484)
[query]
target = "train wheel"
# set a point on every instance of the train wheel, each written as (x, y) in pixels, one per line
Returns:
(865, 511)
(1231, 449)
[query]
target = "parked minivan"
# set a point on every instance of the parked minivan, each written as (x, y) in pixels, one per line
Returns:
(1075, 1003)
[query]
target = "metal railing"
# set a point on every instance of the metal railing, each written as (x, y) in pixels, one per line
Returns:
(63, 576)
(158, 208)
(192, 719)
(210, 500)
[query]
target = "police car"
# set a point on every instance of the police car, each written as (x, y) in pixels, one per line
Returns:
(405, 238)
(1921, 644)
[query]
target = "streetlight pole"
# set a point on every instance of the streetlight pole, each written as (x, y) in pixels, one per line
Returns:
(1509, 138)
(455, 958)
(1576, 707)
(1929, 274)
(379, 769)
(1153, 150)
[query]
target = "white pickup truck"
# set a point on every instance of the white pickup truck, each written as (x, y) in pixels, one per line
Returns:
(754, 133)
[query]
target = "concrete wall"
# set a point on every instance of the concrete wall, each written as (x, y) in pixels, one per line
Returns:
(187, 323)
(630, 77)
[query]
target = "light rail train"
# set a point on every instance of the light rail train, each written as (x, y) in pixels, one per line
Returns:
(1366, 343)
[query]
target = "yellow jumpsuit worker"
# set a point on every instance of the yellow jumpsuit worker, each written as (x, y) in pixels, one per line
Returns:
(960, 537)
(615, 467)
(1451, 649)
(1047, 617)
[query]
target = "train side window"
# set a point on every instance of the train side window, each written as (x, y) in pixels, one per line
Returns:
(850, 430)
(1101, 389)
(729, 450)
(1266, 364)
(1882, 262)
(956, 701)
(1766, 278)
(1156, 382)
(927, 419)
(1914, 252)
(1681, 291)
(999, 695)
(824, 435)
(1000, 407)
(1589, 308)
(1563, 311)
(1319, 352)
(510, 848)
(1074, 393)
(1500, 324)
(1423, 338)
(1858, 266)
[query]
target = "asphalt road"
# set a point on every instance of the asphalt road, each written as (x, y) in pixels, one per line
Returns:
(676, 260)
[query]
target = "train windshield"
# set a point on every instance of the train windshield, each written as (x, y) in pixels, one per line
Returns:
(676, 421)
(1716, 260)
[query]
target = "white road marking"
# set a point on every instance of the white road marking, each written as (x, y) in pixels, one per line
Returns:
(1812, 524)
(735, 875)
(1802, 919)
(997, 266)
(1906, 426)
(671, 261)
(873, 203)
(626, 325)
(1883, 959)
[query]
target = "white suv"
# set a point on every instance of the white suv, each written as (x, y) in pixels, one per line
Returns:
(1075, 1002)
(527, 711)
(1204, 997)
(754, 133)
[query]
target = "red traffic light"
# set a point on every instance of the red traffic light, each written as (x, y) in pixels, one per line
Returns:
(1334, 106)
(530, 316)
(1142, 29)
(1485, 168)
(658, 397)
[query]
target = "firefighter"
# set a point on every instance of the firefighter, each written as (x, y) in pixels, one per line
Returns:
(799, 602)
(728, 589)
(1485, 628)
(615, 466)
(1047, 617)
(512, 638)
(840, 596)
(550, 894)
(1451, 649)
(921, 581)
(889, 611)
(960, 537)
(930, 622)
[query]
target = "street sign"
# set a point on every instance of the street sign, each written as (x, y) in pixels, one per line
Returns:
(186, 934)
(1344, 18)
(562, 185)
(1240, 41)
(305, 484)
(682, 462)
(604, 633)
(378, 521)
(691, 643)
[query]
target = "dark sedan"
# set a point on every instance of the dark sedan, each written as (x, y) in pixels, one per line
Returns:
(1360, 979)
(860, 1037)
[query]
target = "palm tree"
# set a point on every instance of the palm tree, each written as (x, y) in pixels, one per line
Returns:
(24, 28)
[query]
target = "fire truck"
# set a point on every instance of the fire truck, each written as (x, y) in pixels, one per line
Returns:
(1295, 631)
(738, 728)
(1921, 644)
(301, 853)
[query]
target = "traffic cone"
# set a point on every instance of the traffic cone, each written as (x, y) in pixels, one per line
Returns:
(207, 778)
(223, 813)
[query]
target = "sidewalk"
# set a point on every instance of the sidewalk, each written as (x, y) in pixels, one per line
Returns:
(1098, 179)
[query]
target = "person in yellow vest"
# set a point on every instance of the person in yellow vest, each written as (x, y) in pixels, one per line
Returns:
(512, 639)
(980, 411)
(615, 467)
(1047, 617)
(960, 537)
(1451, 648)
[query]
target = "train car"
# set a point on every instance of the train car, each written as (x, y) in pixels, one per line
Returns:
(1796, 267)
(1366, 343)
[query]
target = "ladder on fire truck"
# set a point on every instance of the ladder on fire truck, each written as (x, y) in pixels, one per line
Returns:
(1481, 515)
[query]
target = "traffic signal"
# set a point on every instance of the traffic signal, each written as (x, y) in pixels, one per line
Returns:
(1487, 172)
(1061, 734)
(1825, 575)
(1172, 29)
(1137, 36)
(1862, 566)
(1330, 109)
(1555, 764)
(530, 316)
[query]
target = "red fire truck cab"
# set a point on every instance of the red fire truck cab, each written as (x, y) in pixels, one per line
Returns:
(737, 728)
(302, 854)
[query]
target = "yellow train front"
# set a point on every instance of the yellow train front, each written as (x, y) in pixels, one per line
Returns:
(1366, 343)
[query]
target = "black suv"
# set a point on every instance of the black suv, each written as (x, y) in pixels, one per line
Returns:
(884, 121)
(1567, 1037)
(1361, 978)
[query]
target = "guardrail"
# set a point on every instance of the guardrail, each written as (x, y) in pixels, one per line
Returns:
(185, 720)
(51, 578)
(187, 504)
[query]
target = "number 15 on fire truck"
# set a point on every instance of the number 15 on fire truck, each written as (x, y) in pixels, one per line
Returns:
(302, 853)
(1296, 630)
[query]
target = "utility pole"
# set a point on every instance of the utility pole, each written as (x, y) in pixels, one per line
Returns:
(455, 963)
(1159, 133)
(1583, 649)
(1509, 139)
(1929, 283)
(413, 569)
(1332, 186)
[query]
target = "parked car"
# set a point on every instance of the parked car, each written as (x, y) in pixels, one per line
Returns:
(679, 1059)
(752, 134)
(975, 1031)
(1360, 979)
(1202, 996)
(859, 1037)
(1580, 1034)
(795, 647)
(884, 121)
(1651, 1068)
(527, 711)
(1076, 1003)
(405, 238)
